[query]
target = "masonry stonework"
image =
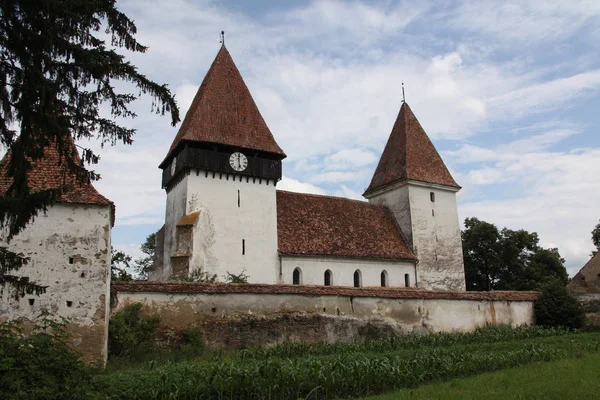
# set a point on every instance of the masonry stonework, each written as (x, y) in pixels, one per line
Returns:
(231, 316)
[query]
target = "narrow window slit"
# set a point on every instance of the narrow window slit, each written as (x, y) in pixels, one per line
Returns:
(71, 260)
(243, 246)
(31, 302)
(238, 198)
(69, 303)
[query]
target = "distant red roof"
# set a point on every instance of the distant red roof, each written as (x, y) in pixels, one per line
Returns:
(50, 172)
(409, 154)
(322, 225)
(224, 112)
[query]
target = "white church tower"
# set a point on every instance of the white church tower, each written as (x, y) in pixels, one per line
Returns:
(412, 180)
(220, 175)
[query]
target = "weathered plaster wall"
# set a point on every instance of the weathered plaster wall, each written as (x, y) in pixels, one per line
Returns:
(69, 251)
(342, 269)
(431, 228)
(176, 207)
(436, 238)
(231, 236)
(236, 315)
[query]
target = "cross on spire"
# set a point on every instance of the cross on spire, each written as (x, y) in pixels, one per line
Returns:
(222, 38)
(403, 98)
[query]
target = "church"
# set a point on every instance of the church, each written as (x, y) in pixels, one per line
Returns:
(224, 213)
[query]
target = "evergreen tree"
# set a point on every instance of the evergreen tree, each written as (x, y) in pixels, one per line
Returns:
(56, 70)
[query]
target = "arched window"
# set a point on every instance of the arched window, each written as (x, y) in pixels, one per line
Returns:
(327, 278)
(357, 278)
(297, 277)
(407, 280)
(384, 278)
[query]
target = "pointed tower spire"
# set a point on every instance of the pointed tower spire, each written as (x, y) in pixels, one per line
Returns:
(224, 112)
(409, 155)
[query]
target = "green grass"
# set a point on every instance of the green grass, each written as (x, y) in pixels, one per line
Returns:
(577, 378)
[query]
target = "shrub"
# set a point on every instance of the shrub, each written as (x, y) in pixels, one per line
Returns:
(192, 343)
(557, 307)
(242, 277)
(41, 365)
(198, 275)
(130, 333)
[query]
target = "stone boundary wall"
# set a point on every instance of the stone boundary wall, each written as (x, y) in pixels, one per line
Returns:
(239, 315)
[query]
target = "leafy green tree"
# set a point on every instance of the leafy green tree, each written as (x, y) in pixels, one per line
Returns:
(557, 307)
(596, 238)
(56, 70)
(144, 265)
(481, 252)
(120, 265)
(508, 259)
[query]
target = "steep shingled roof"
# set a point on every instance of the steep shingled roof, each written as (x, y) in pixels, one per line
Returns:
(409, 154)
(322, 225)
(224, 112)
(50, 172)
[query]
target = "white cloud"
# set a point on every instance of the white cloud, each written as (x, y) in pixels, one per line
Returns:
(327, 78)
(292, 185)
(525, 20)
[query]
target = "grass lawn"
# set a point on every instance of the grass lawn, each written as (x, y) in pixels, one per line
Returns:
(573, 379)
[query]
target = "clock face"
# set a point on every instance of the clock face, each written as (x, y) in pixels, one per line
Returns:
(238, 161)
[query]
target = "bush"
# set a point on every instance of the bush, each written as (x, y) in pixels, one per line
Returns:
(41, 365)
(556, 307)
(242, 277)
(192, 343)
(130, 333)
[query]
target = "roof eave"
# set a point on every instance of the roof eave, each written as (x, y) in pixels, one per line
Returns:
(403, 182)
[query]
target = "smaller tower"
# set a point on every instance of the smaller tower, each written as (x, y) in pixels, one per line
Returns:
(412, 180)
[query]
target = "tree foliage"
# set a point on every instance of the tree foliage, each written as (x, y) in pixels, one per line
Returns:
(596, 238)
(557, 307)
(120, 265)
(144, 265)
(507, 259)
(56, 70)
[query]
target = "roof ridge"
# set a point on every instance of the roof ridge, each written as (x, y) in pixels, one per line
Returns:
(329, 196)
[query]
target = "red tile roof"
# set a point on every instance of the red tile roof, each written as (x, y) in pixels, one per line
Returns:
(51, 172)
(409, 154)
(322, 225)
(383, 292)
(224, 112)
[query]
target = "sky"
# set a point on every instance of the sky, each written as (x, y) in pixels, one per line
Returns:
(508, 91)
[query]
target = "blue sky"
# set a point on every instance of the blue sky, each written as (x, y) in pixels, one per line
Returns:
(507, 90)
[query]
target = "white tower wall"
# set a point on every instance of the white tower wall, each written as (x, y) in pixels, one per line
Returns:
(228, 236)
(431, 228)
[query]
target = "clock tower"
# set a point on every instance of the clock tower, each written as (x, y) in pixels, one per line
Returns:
(220, 175)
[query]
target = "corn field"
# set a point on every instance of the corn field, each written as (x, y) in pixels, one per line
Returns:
(293, 371)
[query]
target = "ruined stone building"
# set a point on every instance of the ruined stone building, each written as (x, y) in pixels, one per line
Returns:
(224, 214)
(68, 247)
(585, 286)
